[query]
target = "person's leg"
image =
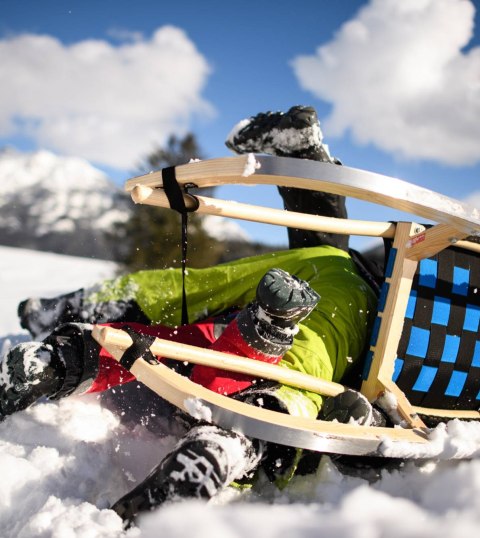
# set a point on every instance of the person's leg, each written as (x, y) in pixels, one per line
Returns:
(202, 464)
(295, 133)
(263, 330)
(69, 359)
(314, 203)
(40, 316)
(209, 458)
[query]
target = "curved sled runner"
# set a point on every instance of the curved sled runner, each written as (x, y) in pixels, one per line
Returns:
(427, 330)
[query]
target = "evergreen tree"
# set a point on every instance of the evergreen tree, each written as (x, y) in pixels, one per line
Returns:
(152, 236)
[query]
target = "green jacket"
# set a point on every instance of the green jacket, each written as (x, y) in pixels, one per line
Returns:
(329, 340)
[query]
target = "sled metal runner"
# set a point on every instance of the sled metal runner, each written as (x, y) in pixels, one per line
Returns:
(411, 242)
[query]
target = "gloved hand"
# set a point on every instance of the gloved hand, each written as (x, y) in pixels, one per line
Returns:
(351, 406)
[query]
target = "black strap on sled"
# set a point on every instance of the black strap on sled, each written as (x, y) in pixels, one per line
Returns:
(175, 195)
(139, 349)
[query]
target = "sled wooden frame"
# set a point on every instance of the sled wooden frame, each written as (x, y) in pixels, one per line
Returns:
(455, 221)
(255, 422)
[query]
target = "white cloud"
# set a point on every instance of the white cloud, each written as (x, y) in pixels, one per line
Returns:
(109, 104)
(474, 199)
(397, 76)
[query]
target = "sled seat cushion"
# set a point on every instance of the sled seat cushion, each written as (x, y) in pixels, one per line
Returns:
(438, 356)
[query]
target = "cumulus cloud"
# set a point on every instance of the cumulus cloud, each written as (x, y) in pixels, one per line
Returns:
(398, 76)
(109, 104)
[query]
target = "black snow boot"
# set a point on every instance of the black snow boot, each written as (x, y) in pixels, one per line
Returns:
(277, 460)
(28, 372)
(40, 316)
(351, 406)
(285, 298)
(54, 368)
(297, 134)
(269, 323)
(204, 462)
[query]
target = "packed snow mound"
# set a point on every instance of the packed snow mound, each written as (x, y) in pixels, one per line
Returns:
(63, 463)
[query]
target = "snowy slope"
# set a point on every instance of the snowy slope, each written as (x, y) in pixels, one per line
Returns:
(26, 273)
(63, 463)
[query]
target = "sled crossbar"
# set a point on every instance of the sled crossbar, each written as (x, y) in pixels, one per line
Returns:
(224, 208)
(225, 361)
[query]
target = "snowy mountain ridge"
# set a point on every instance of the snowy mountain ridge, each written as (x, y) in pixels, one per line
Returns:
(20, 170)
(66, 205)
(44, 199)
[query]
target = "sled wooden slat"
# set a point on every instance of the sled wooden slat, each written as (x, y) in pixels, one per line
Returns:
(429, 242)
(261, 423)
(306, 174)
(384, 351)
(468, 245)
(222, 208)
(448, 414)
(217, 359)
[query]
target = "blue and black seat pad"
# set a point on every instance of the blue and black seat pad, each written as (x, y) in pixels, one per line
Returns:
(438, 357)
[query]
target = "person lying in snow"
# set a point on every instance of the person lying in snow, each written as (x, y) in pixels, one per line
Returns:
(209, 458)
(330, 317)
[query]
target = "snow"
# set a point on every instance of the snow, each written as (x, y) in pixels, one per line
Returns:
(197, 409)
(64, 462)
(19, 169)
(25, 273)
(251, 165)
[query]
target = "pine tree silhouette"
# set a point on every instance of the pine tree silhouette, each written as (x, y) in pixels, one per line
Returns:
(152, 236)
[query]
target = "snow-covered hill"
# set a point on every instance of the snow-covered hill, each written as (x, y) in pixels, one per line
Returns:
(63, 463)
(61, 204)
(65, 205)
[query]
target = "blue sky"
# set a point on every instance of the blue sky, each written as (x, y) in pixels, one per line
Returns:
(396, 83)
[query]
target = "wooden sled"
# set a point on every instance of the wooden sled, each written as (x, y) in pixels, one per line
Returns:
(403, 362)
